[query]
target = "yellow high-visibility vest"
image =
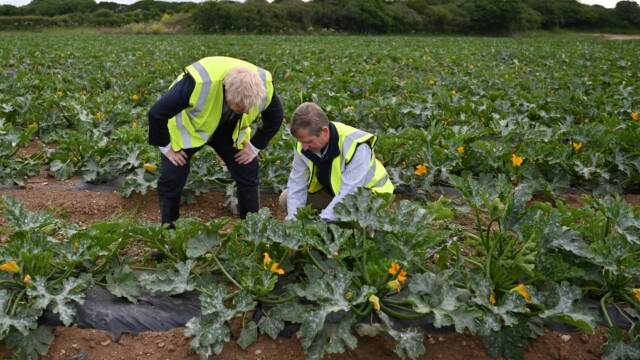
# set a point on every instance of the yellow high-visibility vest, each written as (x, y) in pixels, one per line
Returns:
(193, 126)
(348, 139)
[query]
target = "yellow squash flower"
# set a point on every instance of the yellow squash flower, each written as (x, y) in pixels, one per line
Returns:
(402, 277)
(522, 290)
(576, 146)
(636, 293)
(134, 125)
(276, 269)
(516, 160)
(59, 93)
(394, 285)
(135, 97)
(394, 268)
(460, 149)
(453, 93)
(635, 116)
(266, 259)
(421, 170)
(27, 279)
(492, 299)
(100, 116)
(10, 266)
(375, 302)
(150, 167)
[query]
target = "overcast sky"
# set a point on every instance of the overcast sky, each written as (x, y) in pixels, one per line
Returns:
(605, 3)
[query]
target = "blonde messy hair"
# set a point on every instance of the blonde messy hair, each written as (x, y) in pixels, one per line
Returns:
(243, 87)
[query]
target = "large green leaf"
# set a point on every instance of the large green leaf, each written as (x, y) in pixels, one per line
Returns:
(22, 321)
(30, 346)
(174, 280)
(409, 343)
(72, 290)
(562, 304)
(122, 282)
(617, 349)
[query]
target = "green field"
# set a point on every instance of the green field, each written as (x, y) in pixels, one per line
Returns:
(425, 97)
(500, 119)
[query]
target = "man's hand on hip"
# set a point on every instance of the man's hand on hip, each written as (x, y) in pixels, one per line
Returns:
(247, 154)
(177, 158)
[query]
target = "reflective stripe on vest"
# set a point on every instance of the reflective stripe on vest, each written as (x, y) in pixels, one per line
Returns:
(194, 126)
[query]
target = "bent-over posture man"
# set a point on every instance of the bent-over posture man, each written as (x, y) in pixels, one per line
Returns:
(214, 103)
(331, 160)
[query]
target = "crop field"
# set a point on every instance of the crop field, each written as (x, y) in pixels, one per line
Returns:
(533, 139)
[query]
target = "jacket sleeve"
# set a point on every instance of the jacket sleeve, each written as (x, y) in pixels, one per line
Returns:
(168, 106)
(297, 186)
(271, 120)
(353, 177)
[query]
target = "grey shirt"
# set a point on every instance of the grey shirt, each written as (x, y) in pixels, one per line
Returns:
(353, 176)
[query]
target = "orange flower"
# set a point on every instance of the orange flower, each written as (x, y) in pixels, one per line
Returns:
(516, 160)
(394, 268)
(402, 277)
(135, 97)
(266, 259)
(635, 116)
(522, 290)
(276, 269)
(460, 149)
(10, 266)
(576, 145)
(421, 170)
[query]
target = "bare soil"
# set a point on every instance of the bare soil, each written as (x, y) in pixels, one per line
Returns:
(618, 36)
(62, 200)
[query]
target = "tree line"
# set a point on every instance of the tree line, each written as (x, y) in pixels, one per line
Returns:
(349, 16)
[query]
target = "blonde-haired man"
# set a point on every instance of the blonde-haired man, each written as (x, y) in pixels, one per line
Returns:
(214, 102)
(331, 160)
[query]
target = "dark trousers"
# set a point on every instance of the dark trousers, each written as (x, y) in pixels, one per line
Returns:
(173, 178)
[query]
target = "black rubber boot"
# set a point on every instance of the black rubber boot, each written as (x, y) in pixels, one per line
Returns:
(248, 200)
(169, 211)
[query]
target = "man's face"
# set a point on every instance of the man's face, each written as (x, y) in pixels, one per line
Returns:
(235, 107)
(311, 142)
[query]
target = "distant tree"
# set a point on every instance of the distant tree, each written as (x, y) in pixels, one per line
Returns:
(60, 7)
(497, 16)
(628, 11)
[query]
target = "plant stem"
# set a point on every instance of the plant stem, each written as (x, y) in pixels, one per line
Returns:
(315, 262)
(17, 300)
(633, 324)
(224, 271)
(603, 307)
